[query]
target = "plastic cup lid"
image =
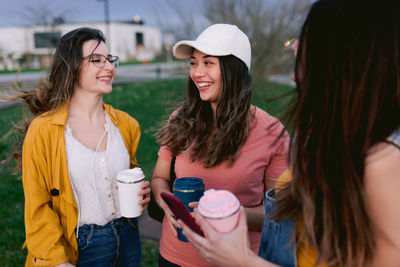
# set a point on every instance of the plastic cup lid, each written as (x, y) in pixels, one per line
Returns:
(217, 204)
(130, 175)
(189, 183)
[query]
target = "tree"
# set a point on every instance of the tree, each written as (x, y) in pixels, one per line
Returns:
(42, 14)
(174, 17)
(268, 23)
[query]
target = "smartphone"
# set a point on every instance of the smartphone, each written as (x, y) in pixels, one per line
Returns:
(179, 210)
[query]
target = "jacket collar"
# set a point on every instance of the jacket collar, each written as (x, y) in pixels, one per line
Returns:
(60, 115)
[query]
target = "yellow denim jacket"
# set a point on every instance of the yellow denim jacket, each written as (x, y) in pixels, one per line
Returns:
(51, 213)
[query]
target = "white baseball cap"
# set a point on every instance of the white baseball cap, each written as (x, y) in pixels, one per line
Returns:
(217, 40)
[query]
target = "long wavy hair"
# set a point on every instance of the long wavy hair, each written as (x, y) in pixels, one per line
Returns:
(64, 76)
(193, 128)
(348, 94)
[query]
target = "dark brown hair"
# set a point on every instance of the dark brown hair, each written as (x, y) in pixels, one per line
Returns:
(64, 76)
(193, 128)
(348, 95)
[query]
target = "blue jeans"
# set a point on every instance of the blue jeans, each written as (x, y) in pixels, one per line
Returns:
(277, 240)
(115, 244)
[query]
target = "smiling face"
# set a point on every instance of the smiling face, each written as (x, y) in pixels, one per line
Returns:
(205, 72)
(94, 79)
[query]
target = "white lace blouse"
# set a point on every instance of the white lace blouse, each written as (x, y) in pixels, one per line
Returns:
(93, 175)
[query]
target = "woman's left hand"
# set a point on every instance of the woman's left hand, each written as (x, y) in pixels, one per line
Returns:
(145, 192)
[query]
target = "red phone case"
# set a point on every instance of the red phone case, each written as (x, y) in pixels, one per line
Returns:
(180, 212)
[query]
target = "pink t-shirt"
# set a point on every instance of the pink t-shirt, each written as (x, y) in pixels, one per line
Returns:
(259, 157)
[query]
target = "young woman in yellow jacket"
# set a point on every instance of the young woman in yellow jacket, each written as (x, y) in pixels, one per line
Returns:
(72, 151)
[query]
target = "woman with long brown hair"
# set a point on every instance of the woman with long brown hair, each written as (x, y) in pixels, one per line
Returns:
(73, 149)
(340, 201)
(218, 135)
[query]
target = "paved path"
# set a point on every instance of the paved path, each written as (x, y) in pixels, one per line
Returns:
(125, 74)
(144, 71)
(282, 79)
(149, 228)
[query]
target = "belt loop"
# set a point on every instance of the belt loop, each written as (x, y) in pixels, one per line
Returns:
(91, 232)
(132, 222)
(115, 221)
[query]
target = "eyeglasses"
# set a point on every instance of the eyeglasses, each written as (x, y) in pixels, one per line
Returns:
(100, 60)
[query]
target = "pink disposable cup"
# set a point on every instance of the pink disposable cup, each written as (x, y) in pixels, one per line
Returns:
(220, 208)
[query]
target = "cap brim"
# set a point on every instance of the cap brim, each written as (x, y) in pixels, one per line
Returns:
(183, 49)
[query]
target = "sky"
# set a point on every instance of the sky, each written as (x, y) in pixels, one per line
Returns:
(12, 11)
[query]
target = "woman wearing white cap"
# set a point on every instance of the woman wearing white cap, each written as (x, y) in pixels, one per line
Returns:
(218, 135)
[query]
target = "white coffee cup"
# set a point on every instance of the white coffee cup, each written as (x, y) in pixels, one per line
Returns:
(129, 184)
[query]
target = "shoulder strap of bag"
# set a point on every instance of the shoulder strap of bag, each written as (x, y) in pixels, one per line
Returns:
(172, 175)
(154, 210)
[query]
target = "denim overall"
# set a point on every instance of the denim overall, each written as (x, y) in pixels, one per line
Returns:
(277, 241)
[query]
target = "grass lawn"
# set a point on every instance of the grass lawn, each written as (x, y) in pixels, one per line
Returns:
(150, 103)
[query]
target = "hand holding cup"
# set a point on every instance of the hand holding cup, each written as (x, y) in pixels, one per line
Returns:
(222, 249)
(144, 194)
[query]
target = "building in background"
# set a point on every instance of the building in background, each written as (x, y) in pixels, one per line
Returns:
(33, 46)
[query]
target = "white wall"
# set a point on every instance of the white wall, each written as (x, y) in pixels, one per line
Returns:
(15, 41)
(123, 41)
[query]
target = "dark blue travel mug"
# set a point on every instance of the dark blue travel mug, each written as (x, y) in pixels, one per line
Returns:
(188, 189)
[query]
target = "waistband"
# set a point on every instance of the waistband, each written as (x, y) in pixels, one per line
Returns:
(114, 222)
